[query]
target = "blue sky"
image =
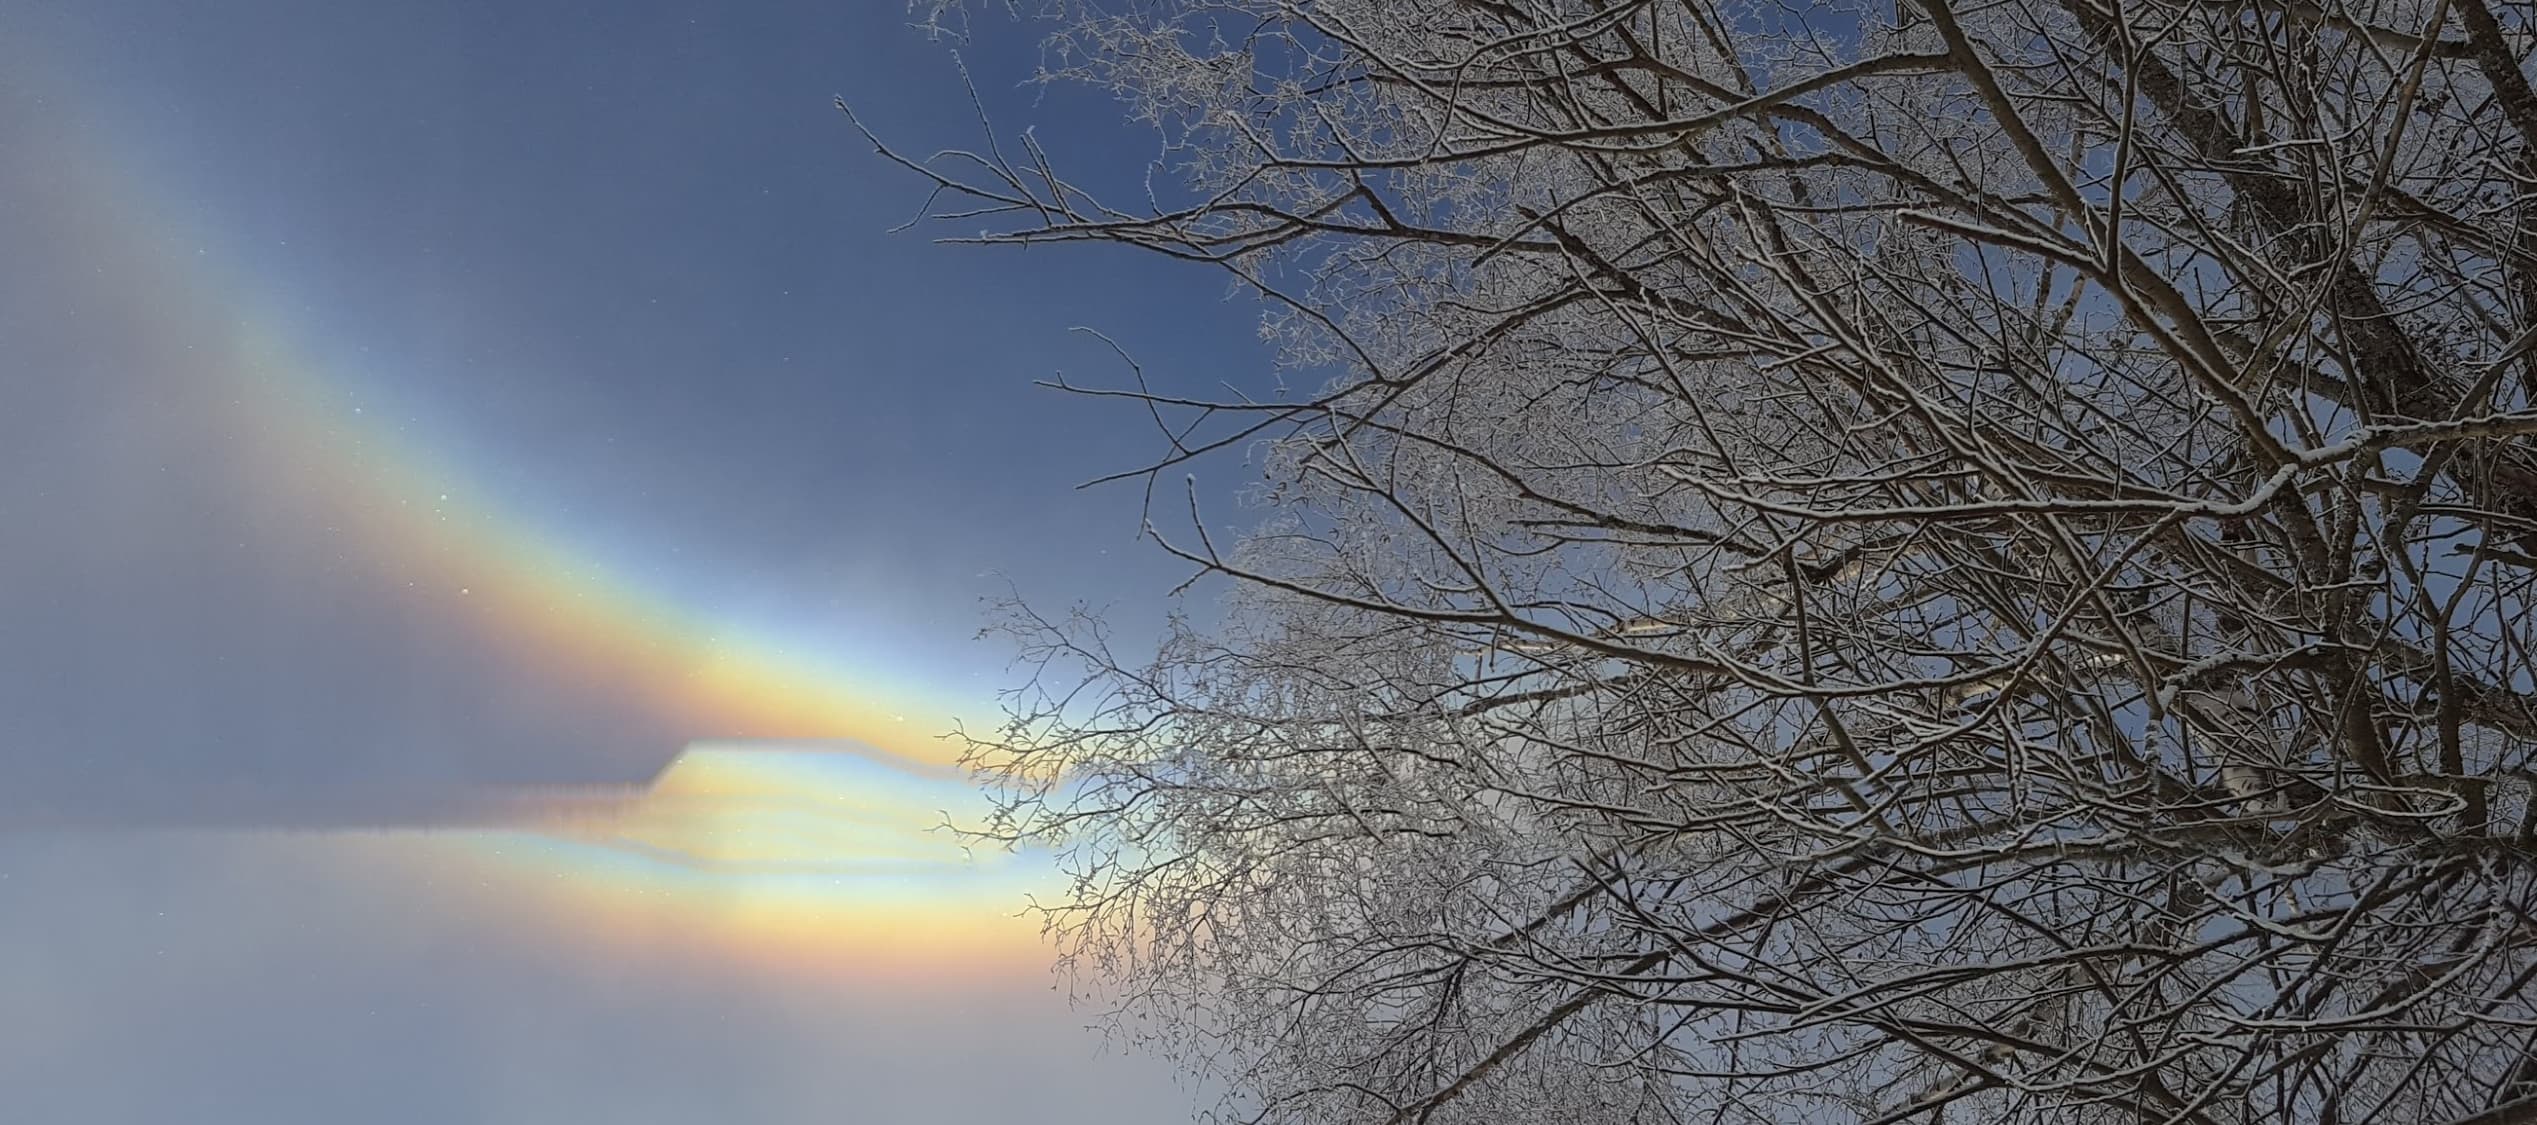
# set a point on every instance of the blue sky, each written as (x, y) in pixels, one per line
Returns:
(618, 280)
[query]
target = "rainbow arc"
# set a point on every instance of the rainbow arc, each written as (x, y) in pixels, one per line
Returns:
(821, 846)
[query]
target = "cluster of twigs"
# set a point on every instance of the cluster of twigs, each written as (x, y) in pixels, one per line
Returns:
(1964, 561)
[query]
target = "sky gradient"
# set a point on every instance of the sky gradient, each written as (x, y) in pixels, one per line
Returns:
(440, 447)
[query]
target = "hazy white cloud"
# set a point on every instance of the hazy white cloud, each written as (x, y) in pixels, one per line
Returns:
(285, 978)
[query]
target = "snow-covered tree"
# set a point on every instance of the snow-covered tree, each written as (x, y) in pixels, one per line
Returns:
(1851, 561)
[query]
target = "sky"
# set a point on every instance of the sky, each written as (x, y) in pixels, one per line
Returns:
(493, 525)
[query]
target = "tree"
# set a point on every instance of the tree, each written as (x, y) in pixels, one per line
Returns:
(1854, 563)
